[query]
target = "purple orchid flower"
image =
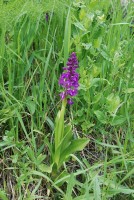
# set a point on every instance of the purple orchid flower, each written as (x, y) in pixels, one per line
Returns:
(69, 79)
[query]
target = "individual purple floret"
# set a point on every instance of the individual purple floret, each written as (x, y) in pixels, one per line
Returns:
(69, 79)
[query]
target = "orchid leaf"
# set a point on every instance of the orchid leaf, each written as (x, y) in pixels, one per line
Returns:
(75, 145)
(64, 143)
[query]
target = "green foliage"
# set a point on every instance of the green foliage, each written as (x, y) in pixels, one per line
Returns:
(3, 195)
(64, 142)
(43, 159)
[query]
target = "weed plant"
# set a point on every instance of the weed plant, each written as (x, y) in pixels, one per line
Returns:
(36, 39)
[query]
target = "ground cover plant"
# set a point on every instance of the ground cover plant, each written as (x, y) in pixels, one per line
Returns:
(50, 149)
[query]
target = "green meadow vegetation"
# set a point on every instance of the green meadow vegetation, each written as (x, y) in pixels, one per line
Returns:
(36, 40)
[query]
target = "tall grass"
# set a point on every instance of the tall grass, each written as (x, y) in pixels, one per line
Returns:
(32, 54)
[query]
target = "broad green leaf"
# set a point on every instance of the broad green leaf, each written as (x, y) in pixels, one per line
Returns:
(117, 120)
(67, 138)
(31, 106)
(63, 144)
(113, 102)
(80, 26)
(129, 90)
(45, 168)
(75, 145)
(100, 116)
